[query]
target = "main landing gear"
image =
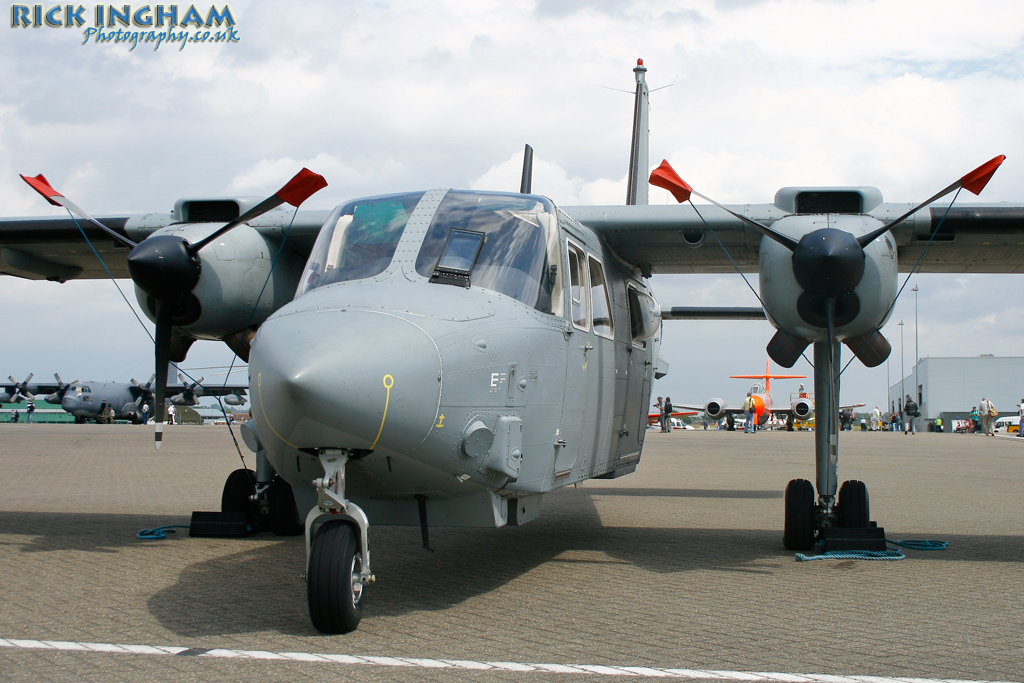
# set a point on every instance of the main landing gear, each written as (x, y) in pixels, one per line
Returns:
(268, 506)
(807, 520)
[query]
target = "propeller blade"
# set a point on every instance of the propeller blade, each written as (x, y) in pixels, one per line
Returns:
(41, 185)
(975, 182)
(301, 187)
(872, 349)
(665, 177)
(785, 349)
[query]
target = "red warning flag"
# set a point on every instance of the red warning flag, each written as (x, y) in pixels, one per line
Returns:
(666, 178)
(976, 180)
(300, 188)
(41, 185)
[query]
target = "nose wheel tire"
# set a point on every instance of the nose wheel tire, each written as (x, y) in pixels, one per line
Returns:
(799, 524)
(333, 588)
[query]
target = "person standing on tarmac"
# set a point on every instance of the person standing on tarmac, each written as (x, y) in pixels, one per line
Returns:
(748, 412)
(988, 414)
(912, 413)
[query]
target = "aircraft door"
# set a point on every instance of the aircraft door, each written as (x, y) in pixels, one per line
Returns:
(590, 368)
(636, 359)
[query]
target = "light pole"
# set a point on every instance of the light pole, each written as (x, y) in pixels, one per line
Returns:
(903, 373)
(917, 353)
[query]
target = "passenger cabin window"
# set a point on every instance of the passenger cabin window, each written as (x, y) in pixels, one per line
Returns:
(578, 288)
(358, 240)
(507, 243)
(600, 303)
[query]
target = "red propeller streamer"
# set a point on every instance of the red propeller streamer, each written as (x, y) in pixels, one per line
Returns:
(666, 178)
(976, 180)
(300, 188)
(41, 185)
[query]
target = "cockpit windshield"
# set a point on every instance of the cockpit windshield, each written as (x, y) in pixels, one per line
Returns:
(358, 240)
(515, 250)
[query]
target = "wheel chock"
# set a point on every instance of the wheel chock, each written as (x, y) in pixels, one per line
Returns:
(842, 539)
(219, 525)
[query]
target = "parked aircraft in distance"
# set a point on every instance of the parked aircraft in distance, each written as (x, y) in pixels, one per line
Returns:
(448, 357)
(106, 401)
(801, 406)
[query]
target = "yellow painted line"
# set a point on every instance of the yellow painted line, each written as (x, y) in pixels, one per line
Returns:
(387, 401)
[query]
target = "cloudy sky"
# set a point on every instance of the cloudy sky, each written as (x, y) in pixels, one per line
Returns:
(380, 97)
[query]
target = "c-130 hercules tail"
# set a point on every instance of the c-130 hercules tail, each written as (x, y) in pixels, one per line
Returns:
(447, 357)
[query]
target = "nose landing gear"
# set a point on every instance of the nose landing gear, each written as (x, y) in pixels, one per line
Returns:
(338, 555)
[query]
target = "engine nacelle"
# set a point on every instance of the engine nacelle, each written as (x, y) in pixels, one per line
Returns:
(802, 408)
(715, 408)
(234, 270)
(802, 314)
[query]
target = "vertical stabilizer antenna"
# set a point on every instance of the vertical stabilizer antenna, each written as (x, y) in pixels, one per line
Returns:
(639, 154)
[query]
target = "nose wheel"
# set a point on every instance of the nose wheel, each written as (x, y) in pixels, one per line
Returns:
(334, 587)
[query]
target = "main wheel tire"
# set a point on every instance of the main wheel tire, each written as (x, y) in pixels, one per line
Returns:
(283, 515)
(853, 508)
(333, 590)
(799, 524)
(239, 487)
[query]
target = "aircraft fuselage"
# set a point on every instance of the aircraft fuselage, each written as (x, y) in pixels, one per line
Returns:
(470, 396)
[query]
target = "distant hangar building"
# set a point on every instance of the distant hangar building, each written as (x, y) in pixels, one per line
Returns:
(950, 387)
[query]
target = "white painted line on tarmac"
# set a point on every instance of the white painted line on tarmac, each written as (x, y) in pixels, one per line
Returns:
(367, 660)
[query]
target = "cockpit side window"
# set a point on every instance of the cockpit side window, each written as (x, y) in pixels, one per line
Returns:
(514, 258)
(358, 240)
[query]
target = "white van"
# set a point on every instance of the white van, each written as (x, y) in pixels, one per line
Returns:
(1009, 423)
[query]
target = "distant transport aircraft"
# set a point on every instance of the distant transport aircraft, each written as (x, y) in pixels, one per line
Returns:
(94, 401)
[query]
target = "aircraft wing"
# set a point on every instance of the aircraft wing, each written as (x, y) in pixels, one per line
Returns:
(37, 388)
(969, 238)
(54, 248)
(654, 417)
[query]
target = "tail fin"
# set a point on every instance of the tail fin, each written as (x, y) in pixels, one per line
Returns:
(768, 376)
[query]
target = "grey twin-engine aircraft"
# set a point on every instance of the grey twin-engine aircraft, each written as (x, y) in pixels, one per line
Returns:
(448, 357)
(91, 401)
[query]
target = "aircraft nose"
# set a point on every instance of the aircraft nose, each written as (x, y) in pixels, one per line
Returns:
(344, 379)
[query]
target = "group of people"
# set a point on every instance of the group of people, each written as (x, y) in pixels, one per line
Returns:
(30, 410)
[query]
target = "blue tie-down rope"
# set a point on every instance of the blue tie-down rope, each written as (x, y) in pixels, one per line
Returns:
(160, 531)
(892, 554)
